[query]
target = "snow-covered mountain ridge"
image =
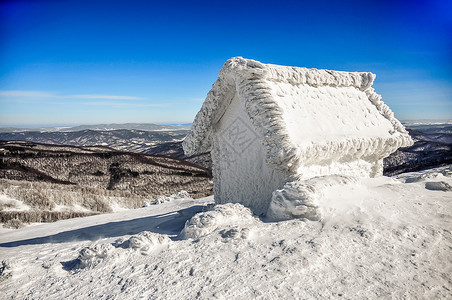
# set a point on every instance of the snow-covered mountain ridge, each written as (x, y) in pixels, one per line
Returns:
(100, 127)
(139, 141)
(433, 144)
(377, 238)
(432, 147)
(56, 182)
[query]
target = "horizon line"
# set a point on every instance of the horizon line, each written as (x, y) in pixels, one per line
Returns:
(168, 123)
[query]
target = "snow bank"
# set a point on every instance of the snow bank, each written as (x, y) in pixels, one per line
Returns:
(434, 179)
(300, 198)
(91, 256)
(229, 220)
(432, 174)
(162, 199)
(145, 242)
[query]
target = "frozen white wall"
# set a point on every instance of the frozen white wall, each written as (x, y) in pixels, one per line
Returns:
(239, 169)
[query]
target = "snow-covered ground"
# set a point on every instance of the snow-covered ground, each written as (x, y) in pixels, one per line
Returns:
(377, 238)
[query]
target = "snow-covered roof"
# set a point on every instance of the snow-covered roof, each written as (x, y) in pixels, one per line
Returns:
(306, 116)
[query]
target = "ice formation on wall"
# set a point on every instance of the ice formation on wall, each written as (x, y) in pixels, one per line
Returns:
(299, 198)
(307, 123)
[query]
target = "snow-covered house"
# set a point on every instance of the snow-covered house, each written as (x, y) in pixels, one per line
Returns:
(272, 130)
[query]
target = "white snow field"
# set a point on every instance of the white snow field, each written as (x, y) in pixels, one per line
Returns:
(377, 238)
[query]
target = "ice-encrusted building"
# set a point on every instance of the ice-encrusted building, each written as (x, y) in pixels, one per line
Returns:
(272, 130)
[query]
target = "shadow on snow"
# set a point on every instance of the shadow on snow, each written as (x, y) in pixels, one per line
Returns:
(170, 223)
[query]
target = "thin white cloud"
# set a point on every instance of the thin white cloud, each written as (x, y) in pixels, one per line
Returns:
(105, 97)
(43, 94)
(126, 104)
(27, 94)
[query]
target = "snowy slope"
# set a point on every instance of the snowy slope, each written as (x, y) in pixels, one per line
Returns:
(141, 141)
(378, 238)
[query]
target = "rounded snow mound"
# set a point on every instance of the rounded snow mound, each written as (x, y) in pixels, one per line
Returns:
(145, 241)
(300, 198)
(230, 220)
(91, 256)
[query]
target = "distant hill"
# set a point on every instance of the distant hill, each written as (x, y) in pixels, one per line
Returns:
(88, 180)
(102, 167)
(432, 147)
(410, 123)
(134, 140)
(101, 127)
(164, 141)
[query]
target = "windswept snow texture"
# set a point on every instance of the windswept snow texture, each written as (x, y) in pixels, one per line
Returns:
(377, 238)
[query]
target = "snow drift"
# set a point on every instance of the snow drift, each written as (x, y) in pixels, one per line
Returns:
(230, 220)
(300, 198)
(377, 238)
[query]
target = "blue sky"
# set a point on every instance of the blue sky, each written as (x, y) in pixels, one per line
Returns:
(88, 62)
